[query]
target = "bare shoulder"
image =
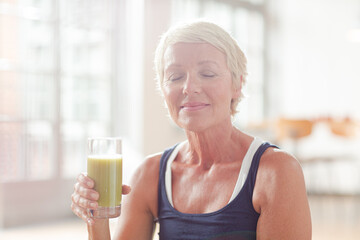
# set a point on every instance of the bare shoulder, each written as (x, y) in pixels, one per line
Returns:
(279, 172)
(147, 174)
(280, 197)
(149, 167)
(144, 185)
(279, 162)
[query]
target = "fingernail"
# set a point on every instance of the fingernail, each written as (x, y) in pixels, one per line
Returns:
(94, 196)
(93, 205)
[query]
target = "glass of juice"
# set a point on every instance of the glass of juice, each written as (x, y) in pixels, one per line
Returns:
(104, 166)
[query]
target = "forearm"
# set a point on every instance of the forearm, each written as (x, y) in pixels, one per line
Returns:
(99, 230)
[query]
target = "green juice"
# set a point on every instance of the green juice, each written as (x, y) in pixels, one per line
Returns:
(106, 171)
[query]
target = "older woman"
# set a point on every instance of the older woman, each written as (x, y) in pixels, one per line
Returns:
(220, 183)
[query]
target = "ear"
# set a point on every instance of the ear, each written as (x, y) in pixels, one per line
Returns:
(236, 92)
(237, 89)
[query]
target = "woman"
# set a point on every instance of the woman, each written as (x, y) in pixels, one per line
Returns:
(219, 184)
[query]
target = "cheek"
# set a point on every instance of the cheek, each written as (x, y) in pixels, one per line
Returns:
(224, 98)
(223, 93)
(170, 99)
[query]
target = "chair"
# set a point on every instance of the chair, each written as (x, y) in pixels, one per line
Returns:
(294, 130)
(347, 127)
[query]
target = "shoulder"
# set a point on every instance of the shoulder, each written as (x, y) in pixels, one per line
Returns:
(280, 197)
(144, 186)
(152, 160)
(278, 162)
(279, 173)
(148, 169)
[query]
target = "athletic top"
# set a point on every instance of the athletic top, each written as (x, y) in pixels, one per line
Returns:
(237, 220)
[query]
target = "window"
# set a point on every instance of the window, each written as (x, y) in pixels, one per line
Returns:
(55, 85)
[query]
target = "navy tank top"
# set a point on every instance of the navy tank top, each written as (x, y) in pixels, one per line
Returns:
(237, 220)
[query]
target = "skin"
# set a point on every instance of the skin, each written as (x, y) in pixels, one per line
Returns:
(198, 91)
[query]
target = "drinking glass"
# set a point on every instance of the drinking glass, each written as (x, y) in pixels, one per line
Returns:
(104, 166)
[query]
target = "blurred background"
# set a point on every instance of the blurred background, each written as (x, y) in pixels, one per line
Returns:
(72, 69)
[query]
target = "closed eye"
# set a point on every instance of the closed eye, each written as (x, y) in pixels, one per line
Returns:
(175, 77)
(208, 74)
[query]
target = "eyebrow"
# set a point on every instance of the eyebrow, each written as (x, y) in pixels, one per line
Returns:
(203, 62)
(199, 63)
(208, 61)
(174, 65)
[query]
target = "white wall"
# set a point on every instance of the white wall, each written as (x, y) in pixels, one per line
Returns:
(314, 68)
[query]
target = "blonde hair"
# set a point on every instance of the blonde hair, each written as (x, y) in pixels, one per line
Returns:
(205, 32)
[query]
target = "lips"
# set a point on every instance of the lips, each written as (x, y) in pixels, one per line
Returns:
(193, 106)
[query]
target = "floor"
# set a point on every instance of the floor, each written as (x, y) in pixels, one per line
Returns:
(333, 218)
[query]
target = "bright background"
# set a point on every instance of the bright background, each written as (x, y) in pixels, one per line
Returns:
(72, 69)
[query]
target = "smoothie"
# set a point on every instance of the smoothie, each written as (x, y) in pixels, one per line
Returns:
(106, 171)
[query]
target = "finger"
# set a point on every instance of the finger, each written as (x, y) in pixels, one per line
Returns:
(86, 217)
(79, 201)
(126, 189)
(87, 204)
(75, 198)
(83, 179)
(80, 212)
(86, 192)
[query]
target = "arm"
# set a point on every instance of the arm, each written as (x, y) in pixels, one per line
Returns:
(139, 208)
(99, 229)
(280, 198)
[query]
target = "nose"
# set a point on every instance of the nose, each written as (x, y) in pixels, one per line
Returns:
(192, 84)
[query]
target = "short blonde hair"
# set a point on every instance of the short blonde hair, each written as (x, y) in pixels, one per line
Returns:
(205, 32)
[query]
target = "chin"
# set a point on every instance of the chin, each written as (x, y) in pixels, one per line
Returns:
(198, 126)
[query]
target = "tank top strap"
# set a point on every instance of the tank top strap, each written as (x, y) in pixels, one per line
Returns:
(162, 170)
(255, 164)
(245, 166)
(164, 159)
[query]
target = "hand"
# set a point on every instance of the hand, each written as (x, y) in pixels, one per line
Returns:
(85, 197)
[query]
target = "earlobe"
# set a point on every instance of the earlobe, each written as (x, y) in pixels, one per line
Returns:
(237, 93)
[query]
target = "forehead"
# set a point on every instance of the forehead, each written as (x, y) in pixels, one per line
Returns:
(193, 53)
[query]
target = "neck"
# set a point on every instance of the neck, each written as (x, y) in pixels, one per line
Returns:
(218, 144)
